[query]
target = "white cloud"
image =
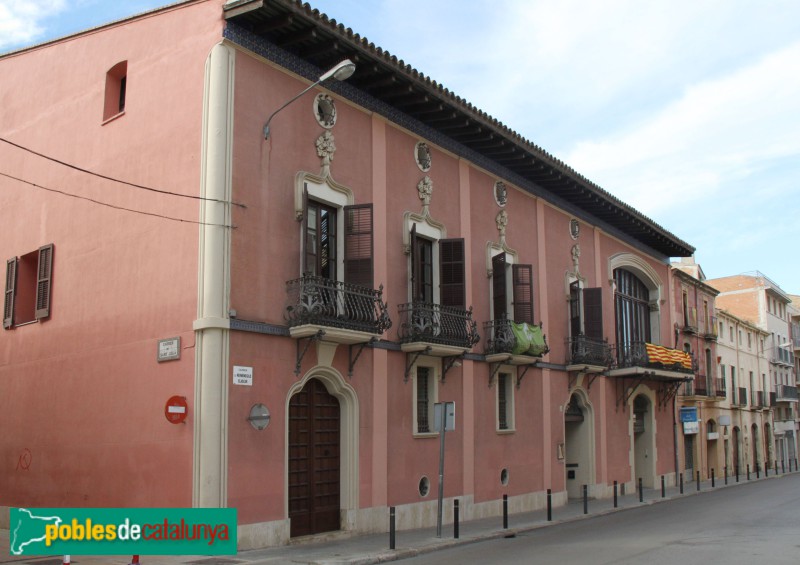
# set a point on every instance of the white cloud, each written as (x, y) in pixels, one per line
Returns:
(718, 132)
(21, 21)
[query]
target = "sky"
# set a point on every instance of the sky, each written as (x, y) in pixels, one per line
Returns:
(688, 110)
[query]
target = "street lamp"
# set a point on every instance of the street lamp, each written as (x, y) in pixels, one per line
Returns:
(342, 71)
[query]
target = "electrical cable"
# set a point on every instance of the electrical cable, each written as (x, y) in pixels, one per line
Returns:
(102, 176)
(112, 205)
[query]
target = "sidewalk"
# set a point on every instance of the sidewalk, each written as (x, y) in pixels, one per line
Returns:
(374, 548)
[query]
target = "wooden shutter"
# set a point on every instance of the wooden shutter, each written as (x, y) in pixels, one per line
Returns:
(451, 273)
(304, 247)
(499, 300)
(593, 313)
(523, 293)
(358, 251)
(43, 281)
(11, 283)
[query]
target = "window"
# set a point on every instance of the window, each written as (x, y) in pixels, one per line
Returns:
(731, 329)
(749, 340)
(28, 287)
(512, 296)
(116, 86)
(451, 274)
(325, 253)
(425, 396)
(631, 307)
(721, 326)
(505, 401)
(586, 311)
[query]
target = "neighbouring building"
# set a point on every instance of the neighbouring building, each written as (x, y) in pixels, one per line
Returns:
(794, 316)
(760, 301)
(696, 332)
(310, 290)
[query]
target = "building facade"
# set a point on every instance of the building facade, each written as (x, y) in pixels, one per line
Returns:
(760, 301)
(312, 289)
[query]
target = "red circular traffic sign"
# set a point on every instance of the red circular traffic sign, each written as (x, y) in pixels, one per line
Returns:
(176, 410)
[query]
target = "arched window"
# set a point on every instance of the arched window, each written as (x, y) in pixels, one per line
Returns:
(631, 305)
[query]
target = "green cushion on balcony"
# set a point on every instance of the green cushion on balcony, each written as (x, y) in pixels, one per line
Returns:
(529, 340)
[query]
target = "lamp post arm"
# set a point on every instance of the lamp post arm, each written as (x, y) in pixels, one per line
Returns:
(266, 126)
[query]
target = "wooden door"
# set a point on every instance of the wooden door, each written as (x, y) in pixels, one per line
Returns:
(313, 461)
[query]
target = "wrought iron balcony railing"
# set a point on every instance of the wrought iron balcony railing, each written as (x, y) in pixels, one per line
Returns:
(324, 302)
(701, 386)
(719, 389)
(500, 338)
(582, 350)
(635, 354)
(786, 392)
(433, 323)
(710, 332)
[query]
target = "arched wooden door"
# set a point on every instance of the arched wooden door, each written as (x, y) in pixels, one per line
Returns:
(314, 460)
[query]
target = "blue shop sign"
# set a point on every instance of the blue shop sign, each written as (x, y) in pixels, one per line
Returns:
(689, 414)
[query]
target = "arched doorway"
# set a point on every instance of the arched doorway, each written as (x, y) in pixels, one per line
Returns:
(578, 434)
(712, 455)
(314, 460)
(643, 441)
(756, 443)
(737, 438)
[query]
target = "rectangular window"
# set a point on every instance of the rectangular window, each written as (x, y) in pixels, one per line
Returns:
(452, 266)
(505, 402)
(425, 396)
(116, 86)
(520, 308)
(320, 243)
(28, 287)
(421, 268)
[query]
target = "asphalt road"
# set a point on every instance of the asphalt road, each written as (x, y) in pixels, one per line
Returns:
(751, 524)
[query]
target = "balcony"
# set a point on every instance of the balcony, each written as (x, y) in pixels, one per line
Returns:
(701, 386)
(588, 354)
(446, 330)
(514, 343)
(720, 388)
(689, 320)
(786, 393)
(656, 357)
(740, 396)
(347, 313)
(711, 332)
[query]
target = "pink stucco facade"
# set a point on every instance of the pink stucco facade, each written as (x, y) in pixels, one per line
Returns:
(86, 425)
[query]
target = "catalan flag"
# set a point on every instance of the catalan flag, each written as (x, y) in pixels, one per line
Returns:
(668, 357)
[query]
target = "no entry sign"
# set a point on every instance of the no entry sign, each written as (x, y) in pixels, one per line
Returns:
(176, 410)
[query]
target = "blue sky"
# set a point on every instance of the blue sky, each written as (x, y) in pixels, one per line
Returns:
(689, 110)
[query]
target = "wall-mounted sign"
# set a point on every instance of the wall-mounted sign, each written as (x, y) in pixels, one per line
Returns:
(712, 435)
(176, 410)
(725, 420)
(169, 349)
(242, 375)
(691, 428)
(688, 414)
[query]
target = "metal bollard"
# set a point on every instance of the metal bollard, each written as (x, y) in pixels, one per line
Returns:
(783, 466)
(641, 491)
(698, 480)
(615, 494)
(391, 528)
(455, 518)
(776, 466)
(758, 471)
(712, 478)
(663, 487)
(737, 473)
(681, 475)
(549, 505)
(726, 474)
(585, 500)
(766, 469)
(505, 511)
(748, 471)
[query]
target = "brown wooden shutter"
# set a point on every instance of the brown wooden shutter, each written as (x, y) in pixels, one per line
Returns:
(414, 266)
(43, 281)
(499, 293)
(523, 293)
(11, 284)
(593, 313)
(451, 273)
(358, 251)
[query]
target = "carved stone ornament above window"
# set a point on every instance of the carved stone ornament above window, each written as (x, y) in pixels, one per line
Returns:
(425, 188)
(422, 155)
(325, 110)
(326, 147)
(500, 193)
(574, 228)
(502, 222)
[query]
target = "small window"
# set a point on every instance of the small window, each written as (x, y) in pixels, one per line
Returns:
(505, 402)
(28, 287)
(116, 86)
(425, 396)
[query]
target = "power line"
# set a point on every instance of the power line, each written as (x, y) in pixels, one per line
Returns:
(102, 176)
(112, 205)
